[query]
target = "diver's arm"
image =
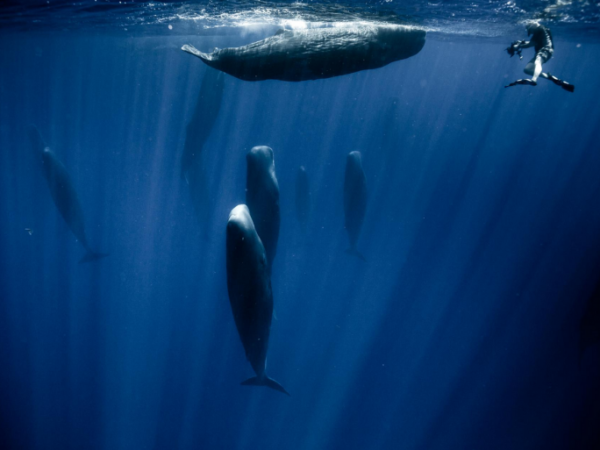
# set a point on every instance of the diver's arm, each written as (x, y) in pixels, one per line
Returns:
(526, 44)
(516, 46)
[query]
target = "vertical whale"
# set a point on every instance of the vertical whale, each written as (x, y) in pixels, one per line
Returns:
(198, 130)
(262, 197)
(250, 294)
(302, 197)
(203, 119)
(589, 327)
(63, 193)
(355, 200)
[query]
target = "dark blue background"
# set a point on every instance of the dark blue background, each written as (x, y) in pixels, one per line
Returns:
(460, 332)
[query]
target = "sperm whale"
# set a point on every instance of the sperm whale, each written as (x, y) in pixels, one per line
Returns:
(315, 53)
(355, 200)
(250, 293)
(63, 193)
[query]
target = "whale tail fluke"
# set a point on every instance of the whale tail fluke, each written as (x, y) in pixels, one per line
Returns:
(92, 256)
(265, 381)
(194, 51)
(352, 251)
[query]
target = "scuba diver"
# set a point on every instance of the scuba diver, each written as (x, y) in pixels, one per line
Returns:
(541, 39)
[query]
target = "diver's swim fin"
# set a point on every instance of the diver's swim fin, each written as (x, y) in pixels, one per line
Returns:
(266, 381)
(563, 84)
(568, 87)
(525, 81)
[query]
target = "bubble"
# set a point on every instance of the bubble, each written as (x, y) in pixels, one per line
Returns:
(170, 27)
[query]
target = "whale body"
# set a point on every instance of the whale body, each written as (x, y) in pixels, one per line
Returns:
(302, 197)
(589, 326)
(197, 132)
(203, 119)
(262, 197)
(63, 193)
(250, 294)
(355, 199)
(316, 53)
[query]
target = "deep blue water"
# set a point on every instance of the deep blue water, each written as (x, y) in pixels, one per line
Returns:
(461, 331)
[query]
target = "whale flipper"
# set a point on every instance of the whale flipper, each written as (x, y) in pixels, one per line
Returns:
(92, 256)
(352, 251)
(265, 381)
(194, 51)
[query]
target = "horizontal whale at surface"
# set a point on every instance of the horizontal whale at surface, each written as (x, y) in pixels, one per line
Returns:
(63, 193)
(250, 293)
(311, 54)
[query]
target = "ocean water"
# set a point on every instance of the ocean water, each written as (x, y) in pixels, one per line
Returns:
(462, 328)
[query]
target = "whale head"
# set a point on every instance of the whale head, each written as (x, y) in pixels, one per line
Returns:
(401, 41)
(354, 159)
(260, 157)
(37, 142)
(244, 247)
(261, 164)
(239, 223)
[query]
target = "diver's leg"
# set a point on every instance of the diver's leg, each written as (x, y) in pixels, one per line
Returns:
(537, 69)
(541, 58)
(529, 68)
(563, 84)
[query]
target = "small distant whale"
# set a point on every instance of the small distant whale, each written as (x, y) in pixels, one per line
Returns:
(302, 197)
(316, 53)
(63, 193)
(198, 130)
(250, 294)
(589, 327)
(262, 197)
(203, 119)
(355, 200)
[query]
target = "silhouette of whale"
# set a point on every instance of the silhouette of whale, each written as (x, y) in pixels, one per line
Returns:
(262, 197)
(311, 54)
(355, 200)
(250, 294)
(63, 193)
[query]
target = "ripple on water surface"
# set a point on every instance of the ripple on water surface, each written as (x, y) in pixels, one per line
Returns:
(573, 18)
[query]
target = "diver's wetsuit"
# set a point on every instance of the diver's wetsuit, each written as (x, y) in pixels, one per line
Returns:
(543, 44)
(541, 40)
